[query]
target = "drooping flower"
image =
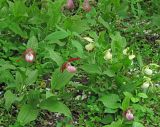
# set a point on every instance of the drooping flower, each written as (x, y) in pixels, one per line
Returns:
(29, 55)
(129, 115)
(71, 68)
(145, 85)
(88, 39)
(125, 51)
(89, 47)
(67, 65)
(148, 71)
(131, 57)
(70, 4)
(108, 55)
(86, 6)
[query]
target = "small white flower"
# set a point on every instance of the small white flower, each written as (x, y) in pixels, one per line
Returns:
(78, 97)
(131, 57)
(148, 71)
(108, 55)
(84, 96)
(157, 85)
(125, 51)
(145, 85)
(89, 47)
(88, 39)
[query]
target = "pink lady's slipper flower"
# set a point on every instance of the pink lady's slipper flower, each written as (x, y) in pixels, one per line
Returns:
(70, 4)
(29, 55)
(129, 115)
(86, 6)
(71, 68)
(67, 65)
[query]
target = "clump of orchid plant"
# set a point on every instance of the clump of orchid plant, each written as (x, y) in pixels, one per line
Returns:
(67, 65)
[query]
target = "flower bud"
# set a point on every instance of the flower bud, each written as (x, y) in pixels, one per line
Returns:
(70, 4)
(129, 115)
(89, 47)
(131, 57)
(148, 71)
(71, 69)
(145, 85)
(108, 55)
(86, 6)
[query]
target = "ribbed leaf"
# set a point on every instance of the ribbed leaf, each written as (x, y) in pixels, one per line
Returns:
(27, 114)
(60, 79)
(53, 105)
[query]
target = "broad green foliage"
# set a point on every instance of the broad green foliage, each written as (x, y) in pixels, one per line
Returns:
(53, 105)
(27, 114)
(83, 67)
(59, 79)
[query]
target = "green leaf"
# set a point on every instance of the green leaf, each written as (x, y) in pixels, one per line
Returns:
(140, 60)
(17, 30)
(60, 79)
(125, 103)
(79, 47)
(137, 124)
(33, 43)
(57, 36)
(54, 12)
(134, 99)
(110, 101)
(109, 110)
(109, 73)
(27, 114)
(104, 23)
(7, 66)
(155, 20)
(126, 100)
(118, 43)
(115, 124)
(19, 80)
(9, 99)
(92, 68)
(19, 9)
(53, 105)
(76, 24)
(31, 76)
(142, 95)
(56, 57)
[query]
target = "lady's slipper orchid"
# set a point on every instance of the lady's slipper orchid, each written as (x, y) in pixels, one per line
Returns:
(88, 39)
(71, 68)
(125, 51)
(129, 115)
(86, 6)
(89, 47)
(131, 57)
(148, 71)
(108, 55)
(145, 85)
(70, 4)
(29, 55)
(67, 65)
